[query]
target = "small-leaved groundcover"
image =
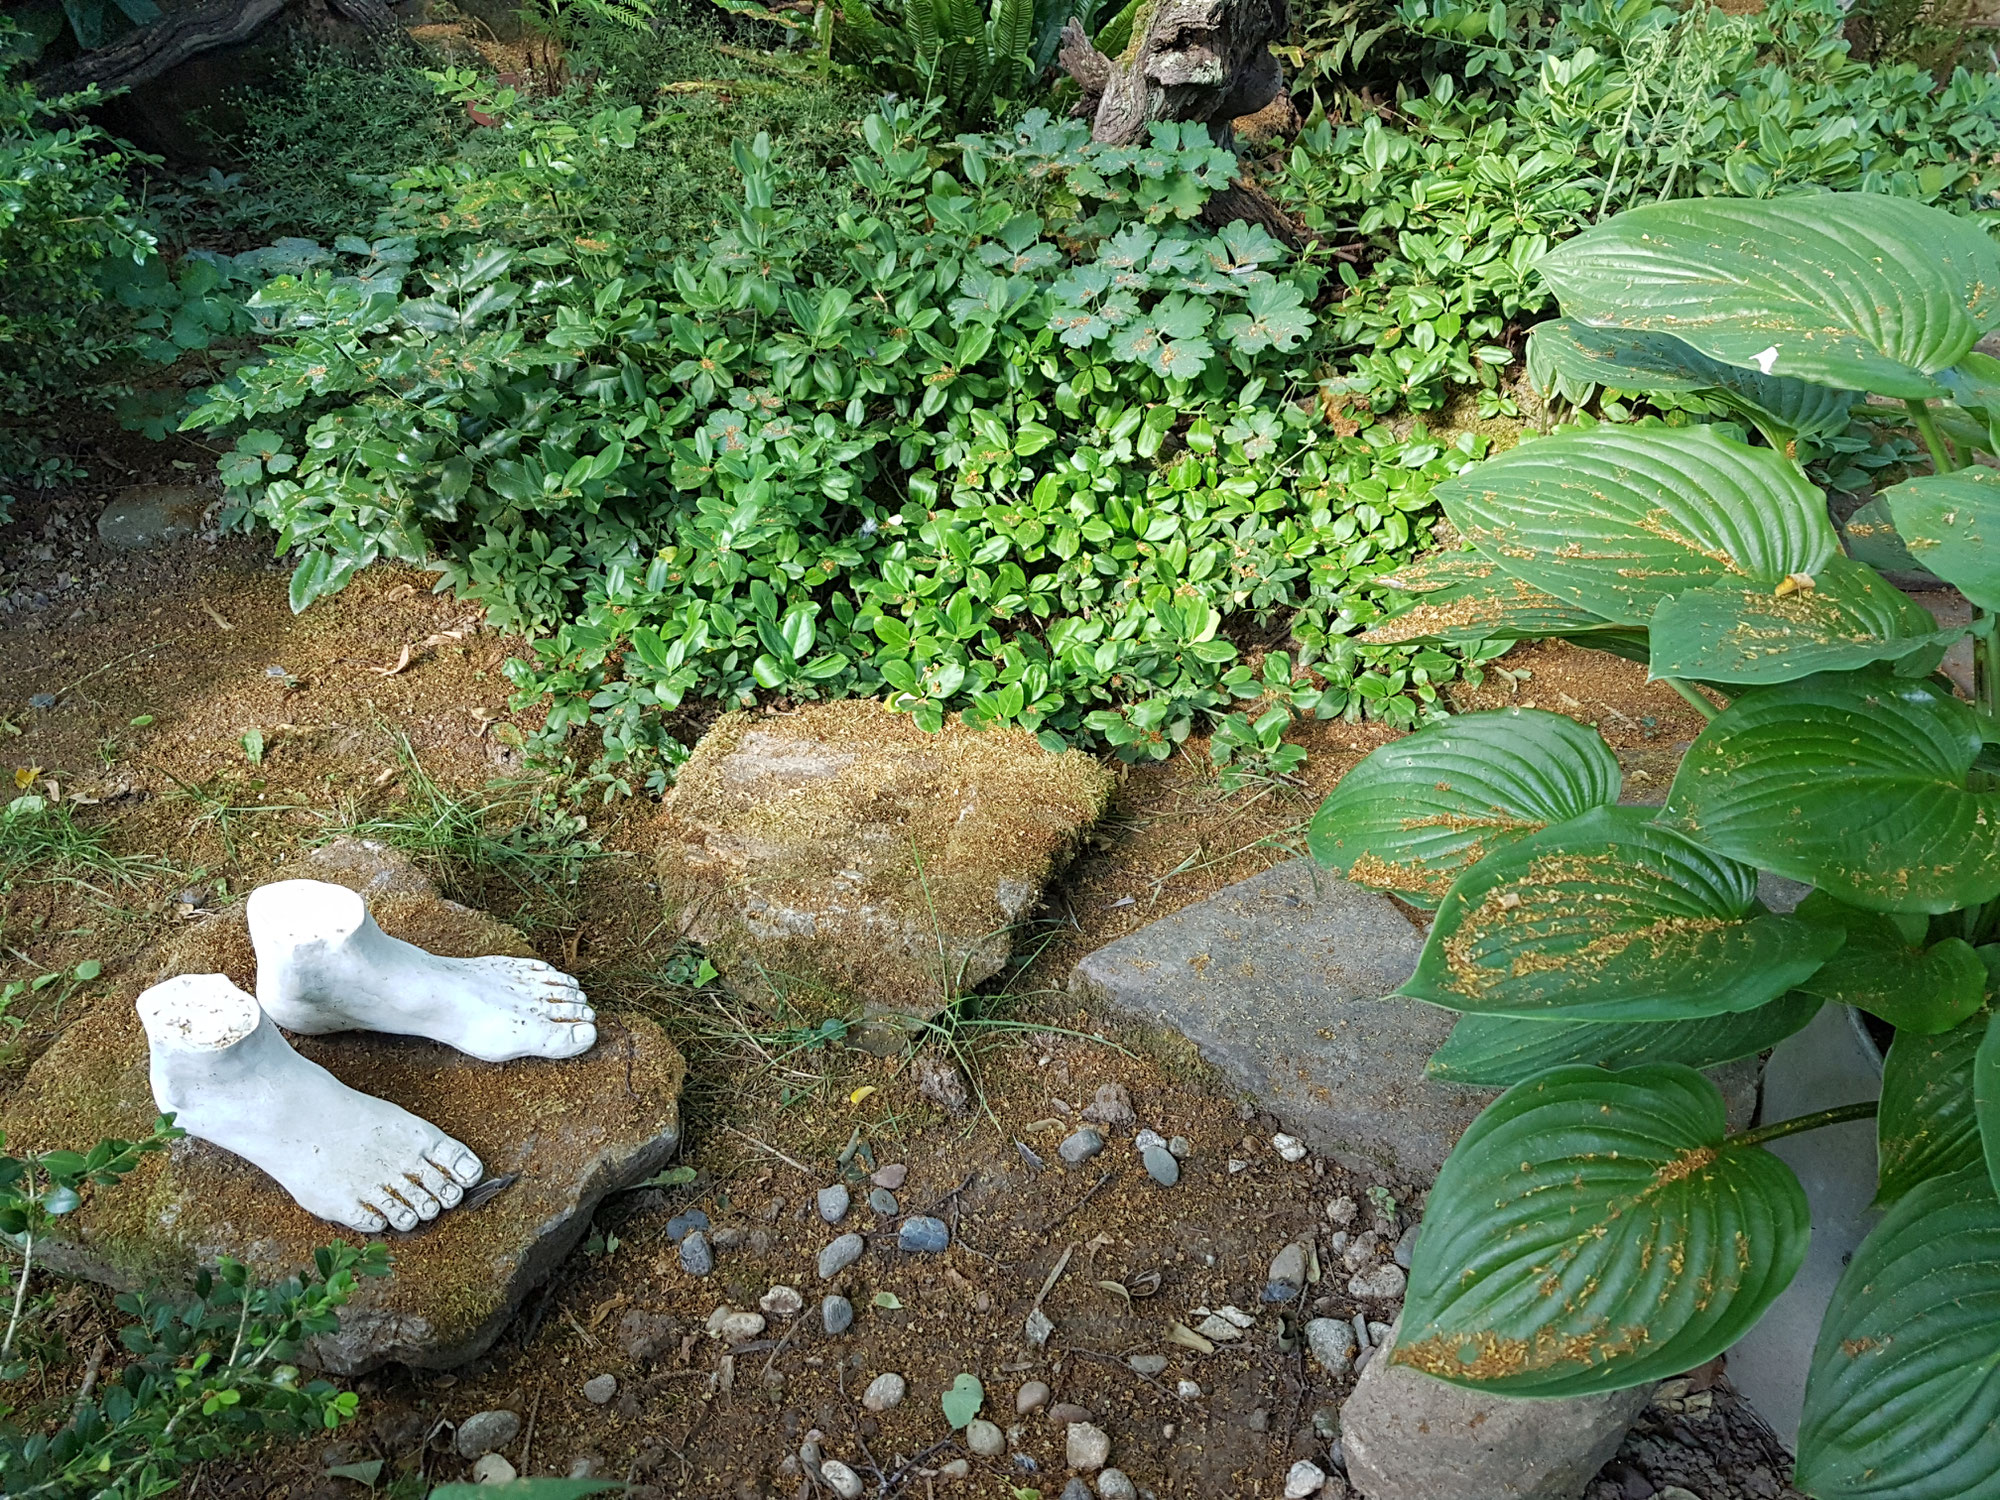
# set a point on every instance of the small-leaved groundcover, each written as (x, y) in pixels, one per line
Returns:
(1598, 1227)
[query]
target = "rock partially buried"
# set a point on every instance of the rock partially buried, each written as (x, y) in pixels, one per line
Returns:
(1406, 1436)
(569, 1132)
(839, 1255)
(1086, 1447)
(1161, 1165)
(1332, 1342)
(484, 1431)
(832, 1202)
(146, 515)
(870, 864)
(836, 1315)
(1080, 1147)
(923, 1235)
(696, 1254)
(884, 1392)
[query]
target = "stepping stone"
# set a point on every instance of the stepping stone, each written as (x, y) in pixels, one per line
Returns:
(575, 1131)
(879, 869)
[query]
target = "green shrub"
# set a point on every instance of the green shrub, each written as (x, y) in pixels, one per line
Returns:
(1532, 132)
(1013, 437)
(1597, 1228)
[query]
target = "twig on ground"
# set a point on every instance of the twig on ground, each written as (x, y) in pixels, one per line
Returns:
(798, 1166)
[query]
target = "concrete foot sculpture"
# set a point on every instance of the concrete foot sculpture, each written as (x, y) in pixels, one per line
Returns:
(323, 965)
(222, 1069)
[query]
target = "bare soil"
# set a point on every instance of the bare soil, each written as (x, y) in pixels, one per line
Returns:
(197, 636)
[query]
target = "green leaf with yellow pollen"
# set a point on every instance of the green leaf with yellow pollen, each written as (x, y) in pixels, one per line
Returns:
(1610, 917)
(1595, 1230)
(1416, 813)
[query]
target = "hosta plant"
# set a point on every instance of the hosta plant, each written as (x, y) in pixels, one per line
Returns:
(1599, 1226)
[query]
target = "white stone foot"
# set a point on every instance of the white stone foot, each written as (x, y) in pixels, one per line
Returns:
(227, 1075)
(323, 965)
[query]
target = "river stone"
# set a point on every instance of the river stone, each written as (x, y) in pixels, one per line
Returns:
(574, 1131)
(146, 515)
(842, 847)
(485, 1431)
(841, 1253)
(1406, 1436)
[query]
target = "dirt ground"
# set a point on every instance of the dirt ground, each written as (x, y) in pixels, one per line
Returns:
(196, 638)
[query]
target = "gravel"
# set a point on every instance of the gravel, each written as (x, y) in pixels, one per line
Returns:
(836, 1315)
(600, 1388)
(882, 1203)
(1147, 1364)
(1086, 1447)
(1079, 1148)
(1384, 1283)
(1304, 1480)
(839, 1255)
(832, 1202)
(1161, 1165)
(782, 1301)
(484, 1431)
(923, 1235)
(697, 1259)
(885, 1392)
(985, 1439)
(1332, 1343)
(1290, 1147)
(842, 1480)
(892, 1176)
(1032, 1396)
(1287, 1276)
(1113, 1484)
(680, 1226)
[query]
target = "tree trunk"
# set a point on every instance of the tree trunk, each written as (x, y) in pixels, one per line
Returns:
(1203, 60)
(155, 50)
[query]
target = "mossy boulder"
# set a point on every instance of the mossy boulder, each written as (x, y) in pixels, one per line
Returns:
(844, 861)
(574, 1131)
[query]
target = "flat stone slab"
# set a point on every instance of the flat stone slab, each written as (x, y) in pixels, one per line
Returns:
(844, 858)
(1407, 1436)
(575, 1130)
(147, 514)
(1280, 981)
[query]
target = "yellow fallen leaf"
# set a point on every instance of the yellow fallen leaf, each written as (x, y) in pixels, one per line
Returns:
(861, 1093)
(24, 776)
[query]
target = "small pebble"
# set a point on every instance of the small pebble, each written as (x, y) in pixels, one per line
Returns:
(1325, 1423)
(1675, 1492)
(1080, 1147)
(1147, 1364)
(1383, 1283)
(832, 1202)
(958, 1468)
(493, 1469)
(1406, 1247)
(923, 1235)
(842, 1480)
(836, 1315)
(680, 1226)
(1087, 1447)
(696, 1257)
(1145, 1140)
(1181, 1147)
(1304, 1480)
(1259, 1419)
(1287, 1275)
(1161, 1166)
(1113, 1485)
(584, 1466)
(782, 1301)
(1341, 1210)
(1236, 1166)
(1187, 1390)
(1290, 1147)
(600, 1389)
(884, 1393)
(736, 1327)
(484, 1431)
(1032, 1396)
(839, 1255)
(1076, 1489)
(1332, 1343)
(882, 1203)
(891, 1177)
(984, 1439)
(1111, 1105)
(728, 1237)
(1065, 1412)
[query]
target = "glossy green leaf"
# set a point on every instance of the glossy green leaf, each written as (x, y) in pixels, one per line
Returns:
(1595, 1230)
(1498, 1051)
(1901, 1400)
(1951, 525)
(1630, 359)
(1610, 917)
(1492, 607)
(1872, 538)
(1848, 617)
(1886, 969)
(1417, 812)
(1858, 290)
(1927, 1126)
(1853, 782)
(1613, 520)
(1986, 1096)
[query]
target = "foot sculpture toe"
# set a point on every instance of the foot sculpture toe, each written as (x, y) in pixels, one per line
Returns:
(460, 1162)
(439, 1185)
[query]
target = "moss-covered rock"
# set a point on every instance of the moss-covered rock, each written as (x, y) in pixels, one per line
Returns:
(574, 1131)
(840, 858)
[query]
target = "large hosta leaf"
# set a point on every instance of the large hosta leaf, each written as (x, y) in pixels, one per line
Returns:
(1871, 537)
(1986, 1096)
(1903, 1396)
(1610, 917)
(1595, 1230)
(1489, 606)
(1614, 519)
(1501, 1050)
(1846, 617)
(1951, 525)
(1416, 813)
(1926, 1126)
(1853, 782)
(1858, 290)
(1886, 968)
(1631, 359)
